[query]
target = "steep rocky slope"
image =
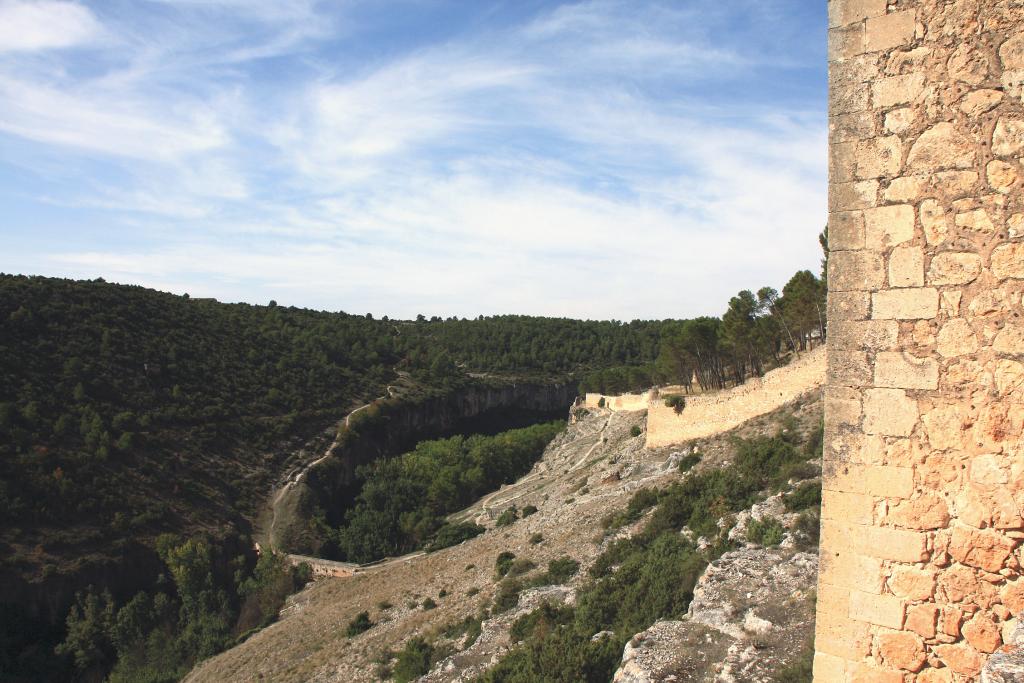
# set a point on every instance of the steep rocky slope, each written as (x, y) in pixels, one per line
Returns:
(751, 599)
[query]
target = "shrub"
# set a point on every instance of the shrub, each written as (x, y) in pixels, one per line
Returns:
(507, 517)
(536, 538)
(413, 660)
(503, 563)
(360, 624)
(507, 595)
(562, 569)
(600, 402)
(454, 534)
(676, 402)
(529, 510)
(808, 525)
(429, 604)
(687, 462)
(384, 605)
(540, 621)
(635, 430)
(807, 494)
(520, 567)
(638, 503)
(768, 531)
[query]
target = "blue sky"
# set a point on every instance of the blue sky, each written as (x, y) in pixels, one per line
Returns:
(589, 159)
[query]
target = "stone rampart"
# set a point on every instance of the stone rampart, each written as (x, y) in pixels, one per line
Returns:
(710, 414)
(923, 496)
(621, 402)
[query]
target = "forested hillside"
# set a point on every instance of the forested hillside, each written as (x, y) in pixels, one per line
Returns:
(127, 413)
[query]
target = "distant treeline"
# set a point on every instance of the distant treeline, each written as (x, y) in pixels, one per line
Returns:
(750, 337)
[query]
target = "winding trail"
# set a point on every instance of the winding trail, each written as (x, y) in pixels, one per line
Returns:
(293, 479)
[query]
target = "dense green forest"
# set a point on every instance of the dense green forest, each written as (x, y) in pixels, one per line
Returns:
(404, 500)
(204, 601)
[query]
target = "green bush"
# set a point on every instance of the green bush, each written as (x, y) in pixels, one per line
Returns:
(562, 569)
(635, 430)
(413, 661)
(687, 462)
(806, 495)
(360, 624)
(808, 526)
(520, 566)
(507, 595)
(507, 518)
(676, 402)
(429, 604)
(503, 563)
(529, 510)
(767, 532)
(600, 402)
(454, 534)
(536, 538)
(540, 621)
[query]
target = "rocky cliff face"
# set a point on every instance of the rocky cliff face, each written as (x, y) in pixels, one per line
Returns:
(752, 614)
(331, 486)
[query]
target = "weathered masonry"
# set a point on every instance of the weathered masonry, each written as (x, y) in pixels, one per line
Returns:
(922, 533)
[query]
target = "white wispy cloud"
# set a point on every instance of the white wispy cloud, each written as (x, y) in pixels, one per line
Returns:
(30, 26)
(600, 159)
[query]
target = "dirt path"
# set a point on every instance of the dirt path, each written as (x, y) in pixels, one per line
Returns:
(278, 496)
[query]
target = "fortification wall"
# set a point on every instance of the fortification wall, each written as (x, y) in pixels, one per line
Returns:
(714, 413)
(924, 467)
(622, 402)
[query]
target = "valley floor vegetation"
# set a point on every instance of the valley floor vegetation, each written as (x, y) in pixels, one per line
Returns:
(204, 603)
(404, 500)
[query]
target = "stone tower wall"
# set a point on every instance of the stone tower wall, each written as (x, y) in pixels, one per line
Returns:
(924, 467)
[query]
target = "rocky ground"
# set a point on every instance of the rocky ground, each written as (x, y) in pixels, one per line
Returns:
(752, 611)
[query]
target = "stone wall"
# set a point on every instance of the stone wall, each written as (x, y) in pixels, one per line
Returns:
(924, 467)
(713, 413)
(623, 402)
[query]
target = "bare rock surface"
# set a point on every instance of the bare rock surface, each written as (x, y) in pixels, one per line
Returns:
(752, 613)
(1007, 665)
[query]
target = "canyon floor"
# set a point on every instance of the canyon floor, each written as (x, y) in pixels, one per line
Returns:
(589, 470)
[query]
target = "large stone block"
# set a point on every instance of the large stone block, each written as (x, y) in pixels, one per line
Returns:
(940, 147)
(887, 226)
(1011, 52)
(954, 268)
(867, 335)
(1008, 138)
(851, 305)
(879, 158)
(888, 92)
(918, 303)
(889, 31)
(906, 267)
(853, 196)
(881, 610)
(855, 271)
(848, 368)
(956, 338)
(901, 650)
(843, 12)
(845, 404)
(1008, 261)
(889, 412)
(934, 221)
(900, 370)
(846, 231)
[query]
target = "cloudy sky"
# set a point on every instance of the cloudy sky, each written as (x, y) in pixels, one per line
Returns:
(597, 159)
